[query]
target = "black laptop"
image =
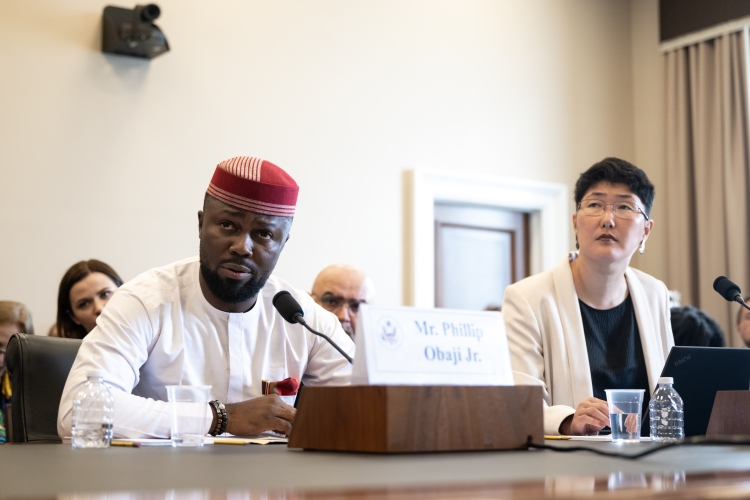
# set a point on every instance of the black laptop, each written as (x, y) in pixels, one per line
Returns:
(698, 373)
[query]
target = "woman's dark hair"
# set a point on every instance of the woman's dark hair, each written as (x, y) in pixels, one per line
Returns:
(693, 327)
(617, 171)
(66, 327)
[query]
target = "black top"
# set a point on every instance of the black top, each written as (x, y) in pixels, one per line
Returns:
(614, 347)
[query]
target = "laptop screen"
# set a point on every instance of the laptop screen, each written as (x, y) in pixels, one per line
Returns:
(699, 372)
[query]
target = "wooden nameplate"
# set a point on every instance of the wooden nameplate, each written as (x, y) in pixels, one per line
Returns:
(730, 414)
(404, 419)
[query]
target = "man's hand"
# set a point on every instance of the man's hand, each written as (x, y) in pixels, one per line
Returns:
(266, 413)
(591, 416)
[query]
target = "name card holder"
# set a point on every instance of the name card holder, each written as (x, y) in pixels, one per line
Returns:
(408, 419)
(411, 346)
(730, 414)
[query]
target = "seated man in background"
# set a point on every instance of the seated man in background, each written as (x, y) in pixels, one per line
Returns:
(14, 318)
(743, 324)
(209, 320)
(341, 288)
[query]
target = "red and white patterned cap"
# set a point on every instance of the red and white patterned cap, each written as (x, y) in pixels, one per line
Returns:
(255, 185)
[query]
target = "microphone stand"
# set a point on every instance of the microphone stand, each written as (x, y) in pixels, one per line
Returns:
(301, 320)
(738, 298)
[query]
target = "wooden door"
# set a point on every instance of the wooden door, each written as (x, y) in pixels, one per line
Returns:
(478, 252)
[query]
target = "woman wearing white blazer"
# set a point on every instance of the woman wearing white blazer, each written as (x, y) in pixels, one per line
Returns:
(591, 322)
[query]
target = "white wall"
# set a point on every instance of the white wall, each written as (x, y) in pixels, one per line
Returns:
(109, 157)
(648, 116)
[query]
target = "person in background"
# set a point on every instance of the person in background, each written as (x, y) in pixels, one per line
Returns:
(693, 327)
(592, 322)
(84, 291)
(14, 318)
(674, 299)
(743, 324)
(340, 289)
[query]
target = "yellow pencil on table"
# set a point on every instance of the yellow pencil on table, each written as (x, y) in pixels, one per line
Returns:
(129, 444)
(558, 438)
(229, 441)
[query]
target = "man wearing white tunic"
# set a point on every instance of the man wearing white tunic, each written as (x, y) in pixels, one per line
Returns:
(210, 320)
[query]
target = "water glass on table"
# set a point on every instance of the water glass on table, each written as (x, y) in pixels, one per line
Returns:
(625, 414)
(189, 405)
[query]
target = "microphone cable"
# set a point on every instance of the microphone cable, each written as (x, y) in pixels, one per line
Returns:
(292, 312)
(302, 322)
(691, 441)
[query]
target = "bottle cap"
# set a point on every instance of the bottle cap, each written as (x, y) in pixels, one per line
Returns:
(666, 380)
(95, 373)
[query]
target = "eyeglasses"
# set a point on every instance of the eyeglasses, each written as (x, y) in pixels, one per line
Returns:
(332, 302)
(621, 209)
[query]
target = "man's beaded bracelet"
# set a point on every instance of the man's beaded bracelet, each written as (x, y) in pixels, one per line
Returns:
(221, 417)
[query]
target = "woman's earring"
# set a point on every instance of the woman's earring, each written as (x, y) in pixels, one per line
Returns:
(577, 247)
(643, 247)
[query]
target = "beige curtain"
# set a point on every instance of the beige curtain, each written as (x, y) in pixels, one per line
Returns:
(707, 163)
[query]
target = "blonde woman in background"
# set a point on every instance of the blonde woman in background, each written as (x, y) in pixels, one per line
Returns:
(14, 318)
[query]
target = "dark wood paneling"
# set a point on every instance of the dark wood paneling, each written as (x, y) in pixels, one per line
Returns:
(730, 414)
(680, 17)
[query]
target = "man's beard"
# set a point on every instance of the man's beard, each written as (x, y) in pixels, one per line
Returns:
(348, 329)
(228, 290)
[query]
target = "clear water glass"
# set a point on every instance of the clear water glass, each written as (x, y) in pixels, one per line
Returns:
(625, 414)
(189, 404)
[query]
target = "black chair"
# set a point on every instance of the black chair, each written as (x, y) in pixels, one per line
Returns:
(38, 368)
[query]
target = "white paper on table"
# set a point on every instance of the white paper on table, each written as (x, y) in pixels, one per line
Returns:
(247, 440)
(604, 437)
(259, 439)
(146, 441)
(410, 346)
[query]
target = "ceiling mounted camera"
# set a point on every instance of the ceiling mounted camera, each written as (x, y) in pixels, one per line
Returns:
(131, 32)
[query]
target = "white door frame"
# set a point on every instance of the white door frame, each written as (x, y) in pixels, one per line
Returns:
(549, 223)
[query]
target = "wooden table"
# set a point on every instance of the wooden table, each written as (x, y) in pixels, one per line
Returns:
(274, 471)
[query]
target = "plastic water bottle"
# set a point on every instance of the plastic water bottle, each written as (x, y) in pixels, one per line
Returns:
(93, 413)
(666, 412)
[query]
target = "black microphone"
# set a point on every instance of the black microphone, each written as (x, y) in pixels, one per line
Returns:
(288, 307)
(729, 290)
(292, 312)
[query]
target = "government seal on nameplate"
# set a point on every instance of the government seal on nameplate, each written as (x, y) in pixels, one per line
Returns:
(390, 333)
